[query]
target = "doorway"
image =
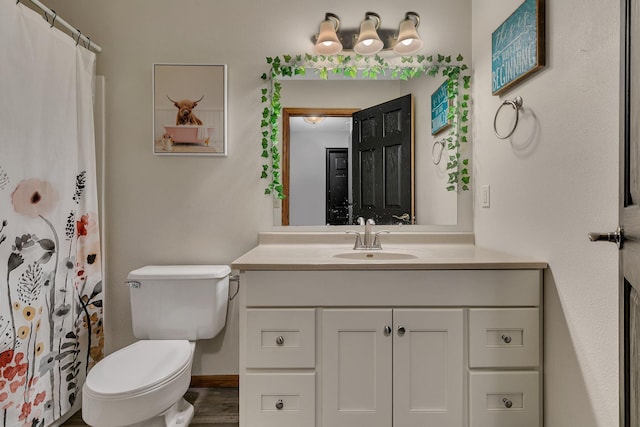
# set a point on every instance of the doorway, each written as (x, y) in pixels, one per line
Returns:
(287, 114)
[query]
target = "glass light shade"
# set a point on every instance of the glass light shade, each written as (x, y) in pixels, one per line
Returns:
(328, 42)
(409, 42)
(369, 42)
(313, 120)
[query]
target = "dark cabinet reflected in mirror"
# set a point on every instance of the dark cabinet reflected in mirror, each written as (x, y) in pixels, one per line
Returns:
(341, 164)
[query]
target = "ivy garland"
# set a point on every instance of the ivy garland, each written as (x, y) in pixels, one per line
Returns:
(369, 67)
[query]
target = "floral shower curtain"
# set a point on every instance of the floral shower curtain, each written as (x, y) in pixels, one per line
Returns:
(51, 329)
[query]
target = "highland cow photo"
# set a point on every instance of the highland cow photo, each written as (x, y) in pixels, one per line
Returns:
(189, 109)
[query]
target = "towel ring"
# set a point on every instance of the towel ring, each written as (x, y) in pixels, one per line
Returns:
(437, 157)
(516, 104)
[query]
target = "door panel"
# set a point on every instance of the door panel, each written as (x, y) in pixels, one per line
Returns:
(630, 220)
(382, 145)
(337, 205)
(428, 368)
(356, 373)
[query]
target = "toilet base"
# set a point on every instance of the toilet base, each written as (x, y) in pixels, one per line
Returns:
(179, 414)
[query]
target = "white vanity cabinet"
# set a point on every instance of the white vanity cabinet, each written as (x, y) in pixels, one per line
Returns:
(390, 348)
(383, 367)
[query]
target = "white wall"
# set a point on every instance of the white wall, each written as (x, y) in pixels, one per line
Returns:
(308, 180)
(205, 209)
(552, 183)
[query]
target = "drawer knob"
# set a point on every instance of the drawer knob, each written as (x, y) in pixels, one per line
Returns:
(280, 340)
(506, 339)
(507, 403)
(401, 330)
(279, 404)
(387, 330)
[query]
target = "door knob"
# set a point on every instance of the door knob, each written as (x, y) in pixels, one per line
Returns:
(616, 237)
(401, 330)
(387, 330)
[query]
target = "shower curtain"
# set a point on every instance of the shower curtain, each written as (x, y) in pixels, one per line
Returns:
(51, 330)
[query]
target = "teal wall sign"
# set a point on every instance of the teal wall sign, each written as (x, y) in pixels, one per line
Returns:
(440, 109)
(518, 46)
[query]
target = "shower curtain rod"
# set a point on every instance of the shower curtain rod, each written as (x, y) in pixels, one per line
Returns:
(76, 34)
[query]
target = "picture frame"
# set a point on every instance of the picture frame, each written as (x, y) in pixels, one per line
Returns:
(518, 46)
(190, 109)
(440, 105)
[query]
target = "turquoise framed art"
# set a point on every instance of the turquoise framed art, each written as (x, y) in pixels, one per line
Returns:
(440, 104)
(518, 46)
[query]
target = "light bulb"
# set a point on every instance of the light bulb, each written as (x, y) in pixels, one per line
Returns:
(407, 42)
(368, 42)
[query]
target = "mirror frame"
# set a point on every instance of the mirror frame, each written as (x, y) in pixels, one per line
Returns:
(367, 67)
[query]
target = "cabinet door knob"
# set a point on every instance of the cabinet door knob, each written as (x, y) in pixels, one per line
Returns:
(279, 404)
(280, 340)
(507, 403)
(401, 330)
(506, 339)
(387, 330)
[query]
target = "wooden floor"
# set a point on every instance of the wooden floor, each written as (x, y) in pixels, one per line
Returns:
(215, 407)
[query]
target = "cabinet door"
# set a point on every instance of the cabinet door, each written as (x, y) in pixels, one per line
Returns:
(356, 368)
(428, 367)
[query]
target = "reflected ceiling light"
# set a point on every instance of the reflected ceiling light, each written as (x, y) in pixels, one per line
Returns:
(408, 42)
(327, 41)
(313, 120)
(369, 42)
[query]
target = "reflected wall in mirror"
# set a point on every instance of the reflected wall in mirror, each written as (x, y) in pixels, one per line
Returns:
(433, 203)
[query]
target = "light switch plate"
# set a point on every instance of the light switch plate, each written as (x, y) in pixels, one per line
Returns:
(486, 196)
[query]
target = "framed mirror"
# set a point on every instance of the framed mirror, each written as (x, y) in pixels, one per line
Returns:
(323, 88)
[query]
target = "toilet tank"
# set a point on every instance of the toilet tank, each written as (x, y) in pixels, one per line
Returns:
(186, 302)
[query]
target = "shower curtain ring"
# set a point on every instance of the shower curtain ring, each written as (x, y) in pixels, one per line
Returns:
(79, 35)
(53, 20)
(88, 43)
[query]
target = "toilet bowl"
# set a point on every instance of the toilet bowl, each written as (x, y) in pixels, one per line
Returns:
(144, 383)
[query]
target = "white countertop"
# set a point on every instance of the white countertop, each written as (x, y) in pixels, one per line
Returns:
(428, 251)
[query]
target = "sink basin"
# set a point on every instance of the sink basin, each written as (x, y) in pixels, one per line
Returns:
(373, 255)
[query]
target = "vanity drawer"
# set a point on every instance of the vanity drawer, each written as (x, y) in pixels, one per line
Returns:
(281, 338)
(280, 400)
(504, 399)
(504, 338)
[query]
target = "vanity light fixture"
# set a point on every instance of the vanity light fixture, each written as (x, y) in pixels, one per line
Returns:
(369, 42)
(327, 42)
(369, 38)
(313, 120)
(409, 41)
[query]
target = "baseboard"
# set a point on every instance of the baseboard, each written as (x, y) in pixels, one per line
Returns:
(210, 381)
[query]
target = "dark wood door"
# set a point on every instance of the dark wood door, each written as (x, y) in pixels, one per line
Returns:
(382, 146)
(630, 220)
(337, 205)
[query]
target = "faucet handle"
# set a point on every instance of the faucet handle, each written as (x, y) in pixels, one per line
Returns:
(376, 239)
(358, 243)
(360, 220)
(370, 221)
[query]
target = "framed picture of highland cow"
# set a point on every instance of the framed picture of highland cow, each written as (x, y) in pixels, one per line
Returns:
(190, 109)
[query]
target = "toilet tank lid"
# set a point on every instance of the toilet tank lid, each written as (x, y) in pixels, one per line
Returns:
(173, 272)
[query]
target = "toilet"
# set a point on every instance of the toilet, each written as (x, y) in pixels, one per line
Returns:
(144, 383)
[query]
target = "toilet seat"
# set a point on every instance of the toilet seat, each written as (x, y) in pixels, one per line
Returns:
(137, 382)
(144, 365)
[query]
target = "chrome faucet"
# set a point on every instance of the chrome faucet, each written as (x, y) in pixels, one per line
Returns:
(370, 239)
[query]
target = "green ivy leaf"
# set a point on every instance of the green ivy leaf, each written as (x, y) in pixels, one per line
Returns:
(459, 58)
(465, 162)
